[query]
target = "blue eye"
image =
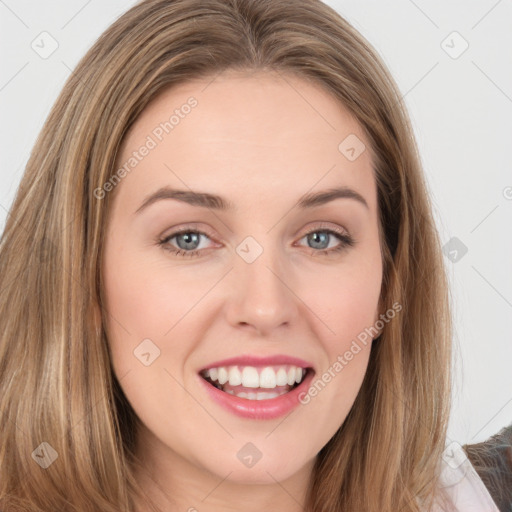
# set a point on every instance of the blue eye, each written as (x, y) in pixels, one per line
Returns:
(188, 240)
(319, 236)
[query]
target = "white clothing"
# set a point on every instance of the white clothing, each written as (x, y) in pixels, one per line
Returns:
(463, 484)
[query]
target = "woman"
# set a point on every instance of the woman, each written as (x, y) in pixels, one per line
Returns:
(252, 370)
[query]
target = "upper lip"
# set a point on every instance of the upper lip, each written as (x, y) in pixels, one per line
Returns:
(250, 360)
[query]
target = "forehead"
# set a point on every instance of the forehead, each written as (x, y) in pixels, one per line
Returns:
(253, 133)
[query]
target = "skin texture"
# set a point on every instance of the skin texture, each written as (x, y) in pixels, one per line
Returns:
(261, 141)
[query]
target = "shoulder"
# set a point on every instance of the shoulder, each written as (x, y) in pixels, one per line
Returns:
(492, 460)
(460, 487)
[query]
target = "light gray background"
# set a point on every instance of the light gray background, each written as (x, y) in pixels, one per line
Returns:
(461, 110)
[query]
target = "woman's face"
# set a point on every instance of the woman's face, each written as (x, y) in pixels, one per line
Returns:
(258, 285)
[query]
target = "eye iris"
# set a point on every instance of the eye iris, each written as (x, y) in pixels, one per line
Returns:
(188, 237)
(188, 241)
(313, 237)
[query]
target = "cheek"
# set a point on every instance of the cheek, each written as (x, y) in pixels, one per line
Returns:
(133, 312)
(346, 301)
(347, 312)
(147, 300)
(142, 307)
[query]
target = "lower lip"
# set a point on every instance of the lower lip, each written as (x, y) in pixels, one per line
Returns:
(259, 409)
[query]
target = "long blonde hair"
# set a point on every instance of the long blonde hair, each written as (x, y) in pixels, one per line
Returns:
(56, 383)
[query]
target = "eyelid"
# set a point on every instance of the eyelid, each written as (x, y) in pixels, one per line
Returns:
(192, 227)
(345, 240)
(326, 226)
(187, 228)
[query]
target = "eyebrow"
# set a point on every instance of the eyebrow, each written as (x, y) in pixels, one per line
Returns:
(212, 201)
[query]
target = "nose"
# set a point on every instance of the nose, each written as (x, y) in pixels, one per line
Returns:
(262, 296)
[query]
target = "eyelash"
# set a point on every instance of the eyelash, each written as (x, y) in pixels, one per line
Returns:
(345, 239)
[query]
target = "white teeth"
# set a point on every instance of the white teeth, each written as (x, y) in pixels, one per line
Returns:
(262, 395)
(266, 396)
(235, 377)
(251, 377)
(268, 378)
(281, 377)
(222, 375)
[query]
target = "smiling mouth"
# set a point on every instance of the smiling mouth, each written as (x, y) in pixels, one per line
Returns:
(266, 388)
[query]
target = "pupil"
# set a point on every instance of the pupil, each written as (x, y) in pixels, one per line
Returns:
(188, 237)
(315, 236)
